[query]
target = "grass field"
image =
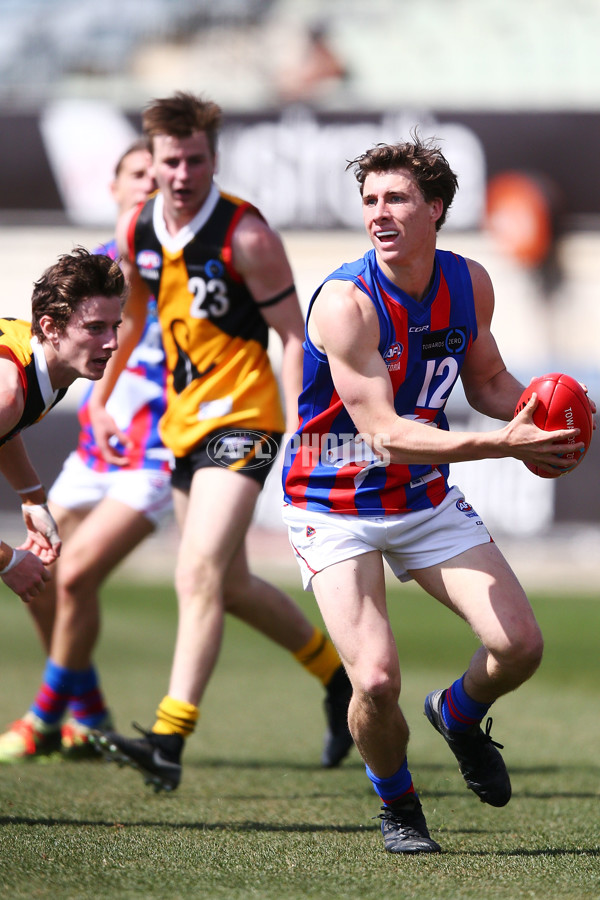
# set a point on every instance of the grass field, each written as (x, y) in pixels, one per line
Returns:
(255, 816)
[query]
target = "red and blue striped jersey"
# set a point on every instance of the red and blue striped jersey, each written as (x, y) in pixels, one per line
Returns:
(328, 468)
(137, 402)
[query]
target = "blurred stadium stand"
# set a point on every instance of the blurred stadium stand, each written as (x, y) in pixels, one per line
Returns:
(484, 54)
(44, 41)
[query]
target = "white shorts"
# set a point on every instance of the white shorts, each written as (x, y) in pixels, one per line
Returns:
(146, 490)
(406, 541)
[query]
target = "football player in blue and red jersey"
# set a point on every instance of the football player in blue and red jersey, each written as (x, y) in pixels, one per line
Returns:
(366, 477)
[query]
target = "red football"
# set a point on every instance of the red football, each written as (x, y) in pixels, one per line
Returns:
(562, 403)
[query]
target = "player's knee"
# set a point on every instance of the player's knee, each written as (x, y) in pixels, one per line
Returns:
(377, 686)
(523, 653)
(195, 574)
(533, 651)
(75, 579)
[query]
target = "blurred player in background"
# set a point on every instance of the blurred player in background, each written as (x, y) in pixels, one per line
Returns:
(386, 339)
(76, 310)
(103, 512)
(221, 278)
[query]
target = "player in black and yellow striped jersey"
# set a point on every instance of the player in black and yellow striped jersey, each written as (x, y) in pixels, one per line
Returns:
(76, 310)
(221, 279)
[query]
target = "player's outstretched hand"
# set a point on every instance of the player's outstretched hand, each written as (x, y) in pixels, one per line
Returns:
(551, 451)
(106, 435)
(42, 539)
(593, 407)
(25, 574)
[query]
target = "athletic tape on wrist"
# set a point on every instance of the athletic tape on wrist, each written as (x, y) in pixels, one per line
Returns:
(45, 516)
(17, 556)
(30, 490)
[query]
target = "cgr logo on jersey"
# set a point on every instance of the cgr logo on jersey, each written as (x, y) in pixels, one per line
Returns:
(441, 343)
(392, 356)
(149, 263)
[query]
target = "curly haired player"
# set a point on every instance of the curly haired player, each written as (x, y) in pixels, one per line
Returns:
(76, 310)
(103, 512)
(387, 337)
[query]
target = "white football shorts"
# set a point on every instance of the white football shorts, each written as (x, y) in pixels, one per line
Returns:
(406, 541)
(145, 490)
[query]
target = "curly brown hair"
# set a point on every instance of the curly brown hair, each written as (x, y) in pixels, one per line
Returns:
(75, 277)
(423, 159)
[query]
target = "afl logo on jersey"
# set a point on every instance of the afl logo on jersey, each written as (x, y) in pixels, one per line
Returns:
(148, 262)
(466, 508)
(392, 356)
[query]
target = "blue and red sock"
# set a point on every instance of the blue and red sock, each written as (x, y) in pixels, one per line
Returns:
(395, 787)
(459, 711)
(86, 704)
(54, 694)
(76, 688)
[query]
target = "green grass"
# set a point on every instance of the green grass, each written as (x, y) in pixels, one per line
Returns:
(255, 816)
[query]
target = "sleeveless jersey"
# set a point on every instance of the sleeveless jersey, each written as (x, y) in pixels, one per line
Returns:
(214, 335)
(326, 468)
(137, 402)
(19, 345)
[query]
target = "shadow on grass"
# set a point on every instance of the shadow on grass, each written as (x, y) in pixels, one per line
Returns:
(274, 828)
(259, 764)
(523, 852)
(518, 795)
(241, 827)
(552, 769)
(556, 795)
(355, 763)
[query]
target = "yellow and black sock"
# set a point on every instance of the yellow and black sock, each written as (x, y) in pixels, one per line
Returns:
(319, 657)
(175, 717)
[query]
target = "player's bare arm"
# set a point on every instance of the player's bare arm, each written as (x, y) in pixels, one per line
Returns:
(130, 332)
(17, 468)
(489, 387)
(134, 311)
(15, 464)
(42, 533)
(23, 572)
(344, 325)
(11, 395)
(259, 256)
(492, 390)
